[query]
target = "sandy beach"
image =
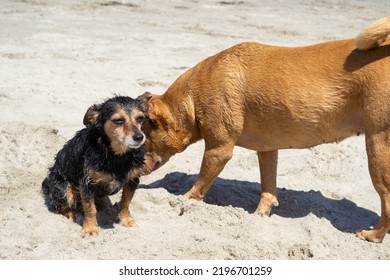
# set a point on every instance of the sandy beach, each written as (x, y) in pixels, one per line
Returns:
(57, 58)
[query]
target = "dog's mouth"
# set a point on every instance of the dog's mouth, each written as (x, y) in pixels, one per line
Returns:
(122, 146)
(130, 143)
(157, 165)
(152, 163)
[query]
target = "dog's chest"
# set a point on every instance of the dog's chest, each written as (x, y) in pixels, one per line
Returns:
(108, 189)
(105, 183)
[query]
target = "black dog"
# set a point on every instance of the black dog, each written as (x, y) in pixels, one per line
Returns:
(98, 161)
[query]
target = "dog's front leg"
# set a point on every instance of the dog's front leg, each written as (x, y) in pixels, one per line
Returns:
(124, 216)
(88, 201)
(268, 162)
(214, 160)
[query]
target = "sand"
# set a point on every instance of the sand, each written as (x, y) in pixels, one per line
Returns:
(59, 57)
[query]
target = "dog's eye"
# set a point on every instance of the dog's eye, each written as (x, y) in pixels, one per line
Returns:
(118, 121)
(140, 119)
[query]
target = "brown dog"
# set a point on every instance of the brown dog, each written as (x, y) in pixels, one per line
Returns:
(267, 98)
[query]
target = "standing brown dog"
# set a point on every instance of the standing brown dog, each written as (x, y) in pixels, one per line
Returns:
(267, 98)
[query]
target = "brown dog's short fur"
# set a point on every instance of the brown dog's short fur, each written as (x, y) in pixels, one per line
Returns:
(267, 98)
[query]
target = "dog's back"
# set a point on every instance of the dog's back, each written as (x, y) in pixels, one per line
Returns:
(252, 87)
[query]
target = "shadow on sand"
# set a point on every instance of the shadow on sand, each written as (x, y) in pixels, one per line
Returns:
(343, 214)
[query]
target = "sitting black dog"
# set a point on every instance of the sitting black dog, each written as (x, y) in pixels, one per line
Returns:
(98, 161)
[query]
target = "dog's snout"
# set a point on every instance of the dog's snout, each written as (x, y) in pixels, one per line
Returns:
(138, 137)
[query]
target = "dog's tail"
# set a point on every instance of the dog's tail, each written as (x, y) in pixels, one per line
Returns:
(373, 35)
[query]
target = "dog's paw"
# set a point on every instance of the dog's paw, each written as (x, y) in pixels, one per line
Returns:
(127, 221)
(265, 206)
(264, 212)
(369, 235)
(193, 195)
(124, 218)
(90, 231)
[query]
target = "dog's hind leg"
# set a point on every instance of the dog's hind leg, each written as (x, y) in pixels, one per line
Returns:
(124, 216)
(60, 196)
(72, 202)
(378, 152)
(70, 213)
(268, 162)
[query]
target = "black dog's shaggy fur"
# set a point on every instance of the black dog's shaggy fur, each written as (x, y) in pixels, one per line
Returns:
(98, 161)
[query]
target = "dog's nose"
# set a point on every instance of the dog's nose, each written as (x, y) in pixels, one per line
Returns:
(138, 137)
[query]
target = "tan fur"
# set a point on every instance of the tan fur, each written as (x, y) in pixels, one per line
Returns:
(90, 222)
(100, 177)
(120, 134)
(71, 198)
(267, 98)
(125, 218)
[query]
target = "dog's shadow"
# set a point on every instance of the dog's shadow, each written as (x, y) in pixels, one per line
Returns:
(343, 214)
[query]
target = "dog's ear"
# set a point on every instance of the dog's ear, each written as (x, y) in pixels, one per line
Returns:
(156, 110)
(150, 112)
(146, 96)
(144, 99)
(91, 117)
(158, 113)
(147, 104)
